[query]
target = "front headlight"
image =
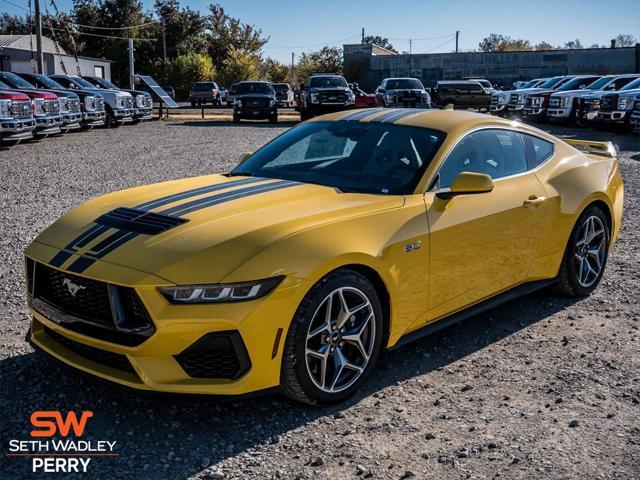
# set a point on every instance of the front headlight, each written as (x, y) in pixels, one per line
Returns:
(5, 110)
(238, 103)
(314, 98)
(272, 102)
(140, 101)
(350, 97)
(622, 103)
(38, 107)
(390, 97)
(89, 103)
(220, 292)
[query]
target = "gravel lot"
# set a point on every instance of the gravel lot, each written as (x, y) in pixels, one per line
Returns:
(543, 387)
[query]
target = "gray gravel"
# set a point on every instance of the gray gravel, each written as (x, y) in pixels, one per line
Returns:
(544, 387)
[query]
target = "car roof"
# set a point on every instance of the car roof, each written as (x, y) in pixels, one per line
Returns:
(445, 82)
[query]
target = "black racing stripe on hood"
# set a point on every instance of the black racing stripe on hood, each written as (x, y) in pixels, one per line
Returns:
(362, 114)
(120, 237)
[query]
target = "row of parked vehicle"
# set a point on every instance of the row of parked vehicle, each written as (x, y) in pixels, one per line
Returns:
(35, 105)
(583, 100)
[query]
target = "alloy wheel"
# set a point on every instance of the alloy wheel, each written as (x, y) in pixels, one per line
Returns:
(340, 339)
(590, 251)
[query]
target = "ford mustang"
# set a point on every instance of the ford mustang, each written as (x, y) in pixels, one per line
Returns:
(349, 234)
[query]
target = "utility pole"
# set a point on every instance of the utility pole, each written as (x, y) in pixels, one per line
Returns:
(131, 70)
(164, 42)
(457, 38)
(410, 57)
(39, 57)
(362, 35)
(292, 60)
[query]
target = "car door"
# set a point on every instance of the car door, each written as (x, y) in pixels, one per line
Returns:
(482, 244)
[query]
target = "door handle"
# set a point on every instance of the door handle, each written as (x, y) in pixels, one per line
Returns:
(533, 201)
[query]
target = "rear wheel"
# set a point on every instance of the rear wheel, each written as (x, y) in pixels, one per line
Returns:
(236, 118)
(586, 254)
(334, 340)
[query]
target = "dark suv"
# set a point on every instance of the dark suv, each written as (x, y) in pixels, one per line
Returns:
(324, 93)
(255, 100)
(463, 93)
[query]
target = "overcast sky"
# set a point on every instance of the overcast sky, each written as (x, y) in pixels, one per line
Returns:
(299, 25)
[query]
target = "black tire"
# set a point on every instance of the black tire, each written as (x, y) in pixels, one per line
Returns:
(273, 118)
(305, 115)
(568, 283)
(110, 120)
(294, 377)
(236, 118)
(193, 103)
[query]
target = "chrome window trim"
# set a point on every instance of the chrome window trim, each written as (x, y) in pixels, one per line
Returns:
(431, 187)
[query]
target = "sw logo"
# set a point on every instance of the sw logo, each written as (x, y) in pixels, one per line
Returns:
(51, 422)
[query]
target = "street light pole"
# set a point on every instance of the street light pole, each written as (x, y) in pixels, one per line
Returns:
(131, 70)
(39, 55)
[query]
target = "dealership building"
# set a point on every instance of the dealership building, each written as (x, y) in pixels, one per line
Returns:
(369, 64)
(17, 54)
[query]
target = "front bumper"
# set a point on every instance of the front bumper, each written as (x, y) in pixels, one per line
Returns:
(635, 120)
(259, 326)
(48, 125)
(71, 121)
(93, 119)
(255, 112)
(145, 113)
(534, 112)
(615, 116)
(20, 129)
(123, 114)
(559, 113)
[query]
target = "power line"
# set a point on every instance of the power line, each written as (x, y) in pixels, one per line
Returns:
(317, 44)
(16, 5)
(97, 35)
(441, 45)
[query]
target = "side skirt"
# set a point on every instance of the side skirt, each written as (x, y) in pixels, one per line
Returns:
(478, 308)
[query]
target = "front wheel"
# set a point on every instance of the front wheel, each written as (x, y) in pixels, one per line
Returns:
(586, 254)
(334, 340)
(273, 118)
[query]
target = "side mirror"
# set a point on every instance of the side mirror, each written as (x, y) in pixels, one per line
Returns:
(467, 183)
(380, 90)
(244, 157)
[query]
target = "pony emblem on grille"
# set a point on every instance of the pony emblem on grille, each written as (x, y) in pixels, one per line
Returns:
(73, 288)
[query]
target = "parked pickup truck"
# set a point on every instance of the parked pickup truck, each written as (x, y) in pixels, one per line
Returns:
(564, 105)
(118, 105)
(516, 104)
(324, 93)
(536, 104)
(91, 104)
(402, 92)
(616, 108)
(589, 106)
(255, 100)
(204, 92)
(16, 117)
(46, 110)
(69, 101)
(500, 98)
(463, 94)
(142, 101)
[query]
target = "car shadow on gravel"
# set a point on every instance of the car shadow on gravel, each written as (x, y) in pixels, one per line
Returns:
(226, 123)
(162, 436)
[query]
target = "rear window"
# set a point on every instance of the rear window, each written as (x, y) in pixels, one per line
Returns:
(201, 87)
(538, 150)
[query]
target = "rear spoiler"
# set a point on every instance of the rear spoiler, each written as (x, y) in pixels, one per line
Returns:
(604, 149)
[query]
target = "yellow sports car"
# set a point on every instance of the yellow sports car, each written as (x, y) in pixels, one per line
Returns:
(351, 233)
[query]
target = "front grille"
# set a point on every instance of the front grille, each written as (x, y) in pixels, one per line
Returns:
(514, 100)
(97, 355)
(554, 102)
(139, 221)
(216, 355)
(332, 96)
(609, 103)
(128, 102)
(74, 105)
(97, 309)
(21, 109)
(99, 104)
(51, 107)
(255, 102)
(147, 101)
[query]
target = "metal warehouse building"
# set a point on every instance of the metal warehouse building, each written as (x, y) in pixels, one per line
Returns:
(369, 65)
(17, 54)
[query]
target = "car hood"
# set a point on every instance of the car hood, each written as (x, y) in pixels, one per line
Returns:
(329, 89)
(572, 93)
(226, 221)
(399, 90)
(527, 91)
(254, 95)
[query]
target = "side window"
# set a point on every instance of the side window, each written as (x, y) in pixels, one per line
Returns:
(538, 150)
(495, 152)
(621, 82)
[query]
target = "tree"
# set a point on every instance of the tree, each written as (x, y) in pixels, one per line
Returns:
(14, 25)
(239, 66)
(625, 40)
(380, 42)
(184, 70)
(543, 46)
(274, 71)
(502, 43)
(228, 34)
(326, 60)
(573, 44)
(184, 28)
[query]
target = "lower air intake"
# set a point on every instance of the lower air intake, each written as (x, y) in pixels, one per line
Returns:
(216, 355)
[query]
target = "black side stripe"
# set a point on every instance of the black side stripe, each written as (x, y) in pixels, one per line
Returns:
(95, 231)
(121, 237)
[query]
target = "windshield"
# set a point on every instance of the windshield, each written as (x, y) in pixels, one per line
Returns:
(551, 82)
(201, 87)
(327, 82)
(529, 84)
(573, 84)
(402, 83)
(631, 86)
(485, 83)
(350, 156)
(4, 85)
(598, 84)
(254, 87)
(82, 82)
(14, 80)
(280, 87)
(104, 83)
(47, 82)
